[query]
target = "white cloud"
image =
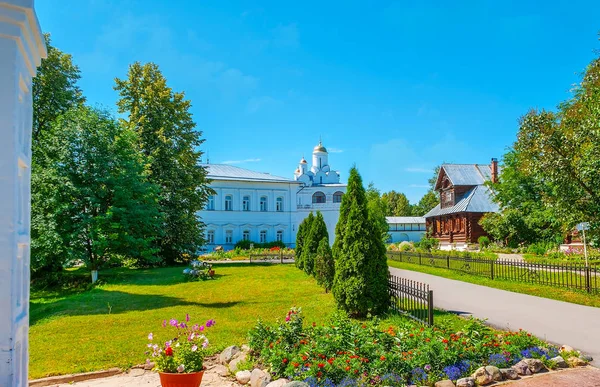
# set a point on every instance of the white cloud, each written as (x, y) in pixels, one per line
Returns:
(233, 162)
(335, 150)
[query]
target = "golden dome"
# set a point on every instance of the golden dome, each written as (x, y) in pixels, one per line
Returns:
(320, 148)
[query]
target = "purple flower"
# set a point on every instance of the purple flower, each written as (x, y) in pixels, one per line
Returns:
(194, 348)
(427, 368)
(210, 323)
(205, 344)
(201, 328)
(150, 336)
(195, 327)
(187, 317)
(173, 322)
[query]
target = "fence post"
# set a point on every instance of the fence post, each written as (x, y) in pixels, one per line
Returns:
(430, 308)
(492, 269)
(420, 259)
(281, 256)
(587, 279)
(448, 261)
(250, 258)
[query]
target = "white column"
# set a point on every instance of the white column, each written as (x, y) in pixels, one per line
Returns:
(21, 49)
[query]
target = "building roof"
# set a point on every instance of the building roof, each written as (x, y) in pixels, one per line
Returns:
(467, 174)
(477, 199)
(405, 219)
(229, 172)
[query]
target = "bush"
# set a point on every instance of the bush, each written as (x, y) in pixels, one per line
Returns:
(364, 352)
(483, 241)
(406, 246)
(324, 265)
(245, 245)
(541, 248)
(427, 244)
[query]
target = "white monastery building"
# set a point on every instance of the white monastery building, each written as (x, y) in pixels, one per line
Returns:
(261, 207)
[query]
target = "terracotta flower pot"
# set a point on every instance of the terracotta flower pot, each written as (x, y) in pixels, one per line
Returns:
(181, 380)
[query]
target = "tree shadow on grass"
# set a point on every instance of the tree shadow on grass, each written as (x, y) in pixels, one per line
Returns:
(100, 301)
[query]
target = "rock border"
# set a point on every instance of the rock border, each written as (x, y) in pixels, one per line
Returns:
(72, 378)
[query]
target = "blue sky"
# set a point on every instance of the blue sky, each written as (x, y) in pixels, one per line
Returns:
(395, 87)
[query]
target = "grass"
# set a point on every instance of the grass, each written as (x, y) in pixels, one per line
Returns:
(107, 326)
(554, 293)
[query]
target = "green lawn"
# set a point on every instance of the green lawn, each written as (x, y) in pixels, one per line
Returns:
(555, 293)
(108, 325)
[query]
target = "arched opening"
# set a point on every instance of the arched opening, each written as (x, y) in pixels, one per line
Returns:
(337, 197)
(318, 197)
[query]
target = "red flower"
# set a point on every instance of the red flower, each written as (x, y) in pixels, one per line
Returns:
(320, 365)
(285, 361)
(304, 357)
(445, 341)
(319, 374)
(347, 368)
(382, 358)
(295, 364)
(330, 361)
(169, 351)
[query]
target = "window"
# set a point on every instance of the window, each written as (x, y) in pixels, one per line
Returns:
(263, 236)
(210, 236)
(228, 203)
(210, 205)
(337, 197)
(318, 197)
(279, 204)
(246, 235)
(246, 203)
(263, 203)
(279, 235)
(228, 236)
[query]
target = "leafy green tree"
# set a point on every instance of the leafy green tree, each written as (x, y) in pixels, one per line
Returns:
(302, 239)
(54, 92)
(169, 141)
(378, 211)
(361, 273)
(397, 204)
(324, 265)
(98, 194)
(426, 204)
(318, 232)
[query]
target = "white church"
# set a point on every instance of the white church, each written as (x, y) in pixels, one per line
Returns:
(261, 207)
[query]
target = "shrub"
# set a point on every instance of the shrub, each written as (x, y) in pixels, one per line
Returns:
(301, 236)
(483, 241)
(406, 246)
(198, 270)
(427, 244)
(541, 248)
(317, 233)
(246, 245)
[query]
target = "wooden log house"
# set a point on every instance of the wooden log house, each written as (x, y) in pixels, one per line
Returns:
(464, 199)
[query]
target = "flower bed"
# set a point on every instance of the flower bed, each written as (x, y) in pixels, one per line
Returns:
(349, 352)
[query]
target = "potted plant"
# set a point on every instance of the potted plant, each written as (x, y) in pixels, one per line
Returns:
(179, 360)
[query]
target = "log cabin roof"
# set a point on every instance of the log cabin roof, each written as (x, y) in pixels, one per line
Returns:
(464, 174)
(476, 199)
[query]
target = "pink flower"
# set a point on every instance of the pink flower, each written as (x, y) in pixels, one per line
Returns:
(194, 348)
(201, 327)
(180, 368)
(287, 318)
(150, 336)
(187, 318)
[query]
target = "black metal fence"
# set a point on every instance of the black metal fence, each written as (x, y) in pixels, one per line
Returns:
(411, 298)
(270, 257)
(567, 275)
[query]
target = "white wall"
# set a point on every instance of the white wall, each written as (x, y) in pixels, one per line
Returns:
(329, 209)
(21, 49)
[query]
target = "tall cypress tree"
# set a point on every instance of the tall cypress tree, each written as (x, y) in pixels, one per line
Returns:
(301, 239)
(170, 143)
(361, 273)
(318, 232)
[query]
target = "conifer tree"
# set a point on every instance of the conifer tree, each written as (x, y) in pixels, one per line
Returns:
(317, 232)
(361, 273)
(324, 266)
(303, 231)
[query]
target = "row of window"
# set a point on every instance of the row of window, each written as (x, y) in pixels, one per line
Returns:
(210, 205)
(407, 227)
(319, 197)
(210, 236)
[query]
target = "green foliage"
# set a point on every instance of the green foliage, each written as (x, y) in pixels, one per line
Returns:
(246, 245)
(396, 204)
(54, 92)
(324, 265)
(361, 272)
(345, 349)
(541, 248)
(377, 211)
(483, 241)
(427, 243)
(426, 204)
(317, 233)
(171, 144)
(302, 238)
(94, 191)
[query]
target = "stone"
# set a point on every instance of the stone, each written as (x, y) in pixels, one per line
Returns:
(567, 348)
(228, 354)
(495, 372)
(237, 359)
(535, 365)
(444, 383)
(259, 378)
(220, 370)
(278, 383)
(243, 377)
(559, 362)
(522, 368)
(482, 377)
(576, 362)
(245, 348)
(509, 373)
(586, 358)
(148, 366)
(295, 383)
(465, 382)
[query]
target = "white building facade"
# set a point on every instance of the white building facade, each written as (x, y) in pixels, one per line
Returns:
(261, 207)
(406, 228)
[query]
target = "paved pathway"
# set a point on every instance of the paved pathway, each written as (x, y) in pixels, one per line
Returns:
(558, 322)
(511, 257)
(577, 377)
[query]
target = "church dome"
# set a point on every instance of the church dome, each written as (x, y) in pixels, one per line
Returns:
(320, 148)
(303, 161)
